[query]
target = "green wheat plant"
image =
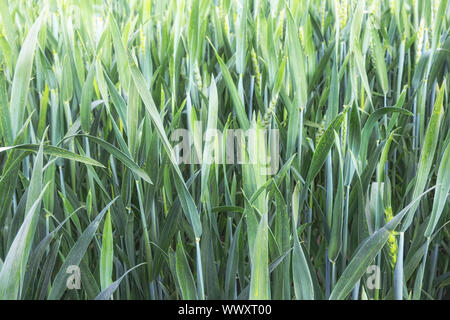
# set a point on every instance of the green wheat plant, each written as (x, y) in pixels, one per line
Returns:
(117, 179)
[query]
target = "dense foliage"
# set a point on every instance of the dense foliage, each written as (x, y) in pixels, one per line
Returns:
(92, 94)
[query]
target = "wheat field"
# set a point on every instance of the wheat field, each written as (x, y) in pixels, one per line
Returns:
(224, 149)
